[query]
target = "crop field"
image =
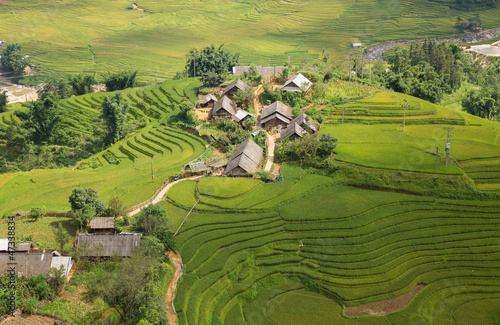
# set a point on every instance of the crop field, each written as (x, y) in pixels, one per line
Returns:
(96, 36)
(124, 169)
(332, 246)
(369, 137)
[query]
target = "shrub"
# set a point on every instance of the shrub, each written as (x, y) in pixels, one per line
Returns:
(40, 286)
(265, 176)
(37, 213)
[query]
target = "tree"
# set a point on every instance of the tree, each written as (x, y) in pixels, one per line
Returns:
(43, 117)
(114, 114)
(252, 75)
(82, 197)
(244, 96)
(84, 216)
(81, 84)
(327, 143)
(151, 219)
(216, 60)
(37, 213)
(151, 246)
(57, 87)
(116, 208)
(62, 236)
(121, 80)
(14, 59)
(212, 79)
(3, 101)
(56, 278)
(40, 286)
(166, 237)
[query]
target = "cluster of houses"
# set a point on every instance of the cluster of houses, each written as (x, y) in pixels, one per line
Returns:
(275, 116)
(102, 241)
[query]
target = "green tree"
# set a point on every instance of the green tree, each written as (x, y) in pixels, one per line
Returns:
(244, 96)
(43, 117)
(151, 246)
(151, 219)
(212, 79)
(82, 197)
(81, 84)
(14, 59)
(37, 213)
(116, 208)
(121, 80)
(84, 216)
(40, 286)
(216, 60)
(327, 143)
(166, 237)
(3, 101)
(252, 75)
(62, 236)
(58, 87)
(114, 114)
(56, 278)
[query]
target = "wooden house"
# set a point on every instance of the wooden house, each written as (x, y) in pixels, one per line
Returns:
(244, 159)
(208, 101)
(241, 116)
(102, 225)
(35, 263)
(233, 87)
(298, 83)
(299, 126)
(107, 245)
(223, 108)
(276, 114)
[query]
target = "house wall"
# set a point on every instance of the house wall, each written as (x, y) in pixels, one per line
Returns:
(237, 172)
(274, 123)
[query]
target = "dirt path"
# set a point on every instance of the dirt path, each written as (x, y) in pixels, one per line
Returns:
(383, 307)
(169, 297)
(29, 320)
(256, 103)
(270, 151)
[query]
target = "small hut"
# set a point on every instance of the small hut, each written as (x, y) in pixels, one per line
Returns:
(241, 116)
(357, 45)
(276, 114)
(208, 100)
(198, 168)
(234, 86)
(223, 108)
(244, 159)
(102, 225)
(298, 83)
(299, 126)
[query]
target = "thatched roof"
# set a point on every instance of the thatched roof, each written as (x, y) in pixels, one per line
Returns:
(207, 98)
(224, 104)
(33, 264)
(293, 128)
(109, 244)
(247, 156)
(263, 71)
(277, 108)
(103, 223)
(303, 119)
(198, 167)
(295, 83)
(237, 83)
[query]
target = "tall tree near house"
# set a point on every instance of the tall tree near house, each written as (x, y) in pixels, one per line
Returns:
(14, 59)
(43, 116)
(211, 59)
(82, 197)
(81, 84)
(62, 236)
(114, 114)
(3, 101)
(151, 219)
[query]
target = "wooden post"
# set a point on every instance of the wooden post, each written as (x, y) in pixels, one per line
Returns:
(343, 109)
(194, 61)
(356, 76)
(300, 173)
(152, 175)
(370, 67)
(362, 62)
(405, 104)
(187, 67)
(349, 68)
(437, 152)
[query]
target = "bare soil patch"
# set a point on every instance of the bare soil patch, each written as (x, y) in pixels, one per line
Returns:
(383, 307)
(29, 320)
(5, 3)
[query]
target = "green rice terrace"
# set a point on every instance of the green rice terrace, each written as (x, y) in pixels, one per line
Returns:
(95, 36)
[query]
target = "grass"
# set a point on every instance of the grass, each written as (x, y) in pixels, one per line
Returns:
(106, 37)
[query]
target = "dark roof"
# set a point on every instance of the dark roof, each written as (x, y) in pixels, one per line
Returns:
(224, 103)
(102, 223)
(246, 155)
(276, 107)
(207, 98)
(304, 119)
(27, 264)
(119, 244)
(263, 71)
(237, 83)
(293, 128)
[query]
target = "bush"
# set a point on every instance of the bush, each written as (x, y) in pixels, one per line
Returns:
(37, 213)
(40, 286)
(265, 176)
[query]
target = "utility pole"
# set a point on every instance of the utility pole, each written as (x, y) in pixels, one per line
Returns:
(288, 60)
(300, 173)
(194, 60)
(343, 109)
(187, 73)
(152, 175)
(274, 65)
(362, 62)
(437, 152)
(370, 67)
(404, 105)
(356, 75)
(349, 72)
(447, 147)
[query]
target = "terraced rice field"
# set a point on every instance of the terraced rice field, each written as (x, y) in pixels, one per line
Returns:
(259, 263)
(372, 136)
(95, 36)
(124, 169)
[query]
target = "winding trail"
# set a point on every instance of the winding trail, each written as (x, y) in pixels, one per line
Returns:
(174, 256)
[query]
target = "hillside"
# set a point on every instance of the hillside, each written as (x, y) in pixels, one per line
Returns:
(96, 36)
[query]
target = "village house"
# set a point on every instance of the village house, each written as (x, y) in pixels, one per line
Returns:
(299, 126)
(241, 116)
(298, 83)
(208, 101)
(223, 108)
(357, 45)
(244, 159)
(102, 225)
(234, 86)
(107, 245)
(30, 264)
(276, 114)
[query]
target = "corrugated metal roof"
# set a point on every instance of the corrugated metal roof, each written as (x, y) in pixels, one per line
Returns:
(102, 223)
(237, 83)
(65, 261)
(4, 244)
(24, 247)
(112, 244)
(224, 103)
(240, 114)
(246, 155)
(296, 82)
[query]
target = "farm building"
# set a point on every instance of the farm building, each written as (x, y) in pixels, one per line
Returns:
(208, 100)
(298, 127)
(263, 71)
(22, 247)
(33, 264)
(245, 158)
(276, 114)
(297, 83)
(198, 168)
(224, 107)
(241, 116)
(357, 45)
(102, 225)
(234, 86)
(106, 245)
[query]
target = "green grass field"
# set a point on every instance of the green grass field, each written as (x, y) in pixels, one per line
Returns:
(96, 36)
